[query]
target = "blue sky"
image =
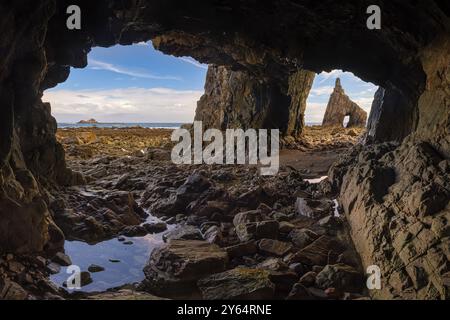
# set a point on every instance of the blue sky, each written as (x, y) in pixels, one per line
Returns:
(140, 84)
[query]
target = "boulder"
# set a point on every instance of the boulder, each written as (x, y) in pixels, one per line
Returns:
(85, 278)
(286, 227)
(178, 201)
(299, 292)
(10, 290)
(302, 208)
(183, 232)
(341, 277)
(155, 227)
(238, 284)
(298, 268)
(274, 247)
(242, 249)
(53, 268)
(247, 217)
(330, 222)
(195, 183)
(302, 237)
(257, 230)
(319, 252)
(158, 154)
(93, 268)
(267, 229)
(308, 279)
(174, 268)
(62, 259)
(124, 295)
(312, 208)
(273, 264)
(214, 235)
(135, 231)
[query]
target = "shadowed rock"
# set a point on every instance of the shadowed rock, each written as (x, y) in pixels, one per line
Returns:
(238, 99)
(175, 268)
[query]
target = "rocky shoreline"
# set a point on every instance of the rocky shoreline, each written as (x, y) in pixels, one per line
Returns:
(274, 237)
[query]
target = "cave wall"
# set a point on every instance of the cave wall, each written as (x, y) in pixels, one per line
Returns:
(396, 196)
(237, 99)
(28, 147)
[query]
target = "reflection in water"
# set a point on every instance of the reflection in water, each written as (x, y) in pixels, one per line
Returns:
(316, 180)
(130, 268)
(336, 208)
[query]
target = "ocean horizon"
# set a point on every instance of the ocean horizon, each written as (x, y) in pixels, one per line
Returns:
(154, 125)
(121, 125)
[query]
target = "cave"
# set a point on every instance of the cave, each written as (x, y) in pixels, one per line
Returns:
(392, 187)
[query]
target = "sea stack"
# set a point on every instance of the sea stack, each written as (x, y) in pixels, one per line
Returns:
(90, 121)
(339, 106)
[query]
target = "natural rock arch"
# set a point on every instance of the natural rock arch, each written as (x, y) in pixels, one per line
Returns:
(340, 106)
(236, 99)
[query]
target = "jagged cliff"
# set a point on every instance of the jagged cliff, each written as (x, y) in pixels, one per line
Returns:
(271, 41)
(339, 106)
(237, 99)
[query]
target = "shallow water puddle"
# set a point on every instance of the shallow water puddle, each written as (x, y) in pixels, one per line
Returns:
(316, 180)
(123, 263)
(336, 208)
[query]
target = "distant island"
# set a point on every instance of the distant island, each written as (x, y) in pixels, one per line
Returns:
(90, 121)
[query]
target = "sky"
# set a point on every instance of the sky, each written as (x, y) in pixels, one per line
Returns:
(140, 84)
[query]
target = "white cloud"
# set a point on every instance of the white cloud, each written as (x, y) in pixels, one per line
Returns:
(100, 65)
(364, 102)
(143, 43)
(320, 91)
(124, 105)
(324, 76)
(314, 112)
(194, 62)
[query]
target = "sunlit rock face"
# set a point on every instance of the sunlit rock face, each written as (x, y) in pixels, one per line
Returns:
(396, 196)
(236, 99)
(271, 41)
(339, 106)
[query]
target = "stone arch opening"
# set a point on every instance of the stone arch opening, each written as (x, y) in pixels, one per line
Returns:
(346, 120)
(129, 85)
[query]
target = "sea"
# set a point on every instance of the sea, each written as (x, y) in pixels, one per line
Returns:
(174, 125)
(155, 125)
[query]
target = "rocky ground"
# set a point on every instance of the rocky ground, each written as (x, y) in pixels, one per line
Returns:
(235, 234)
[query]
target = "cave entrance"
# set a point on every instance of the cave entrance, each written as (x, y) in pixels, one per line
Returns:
(124, 105)
(129, 84)
(125, 86)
